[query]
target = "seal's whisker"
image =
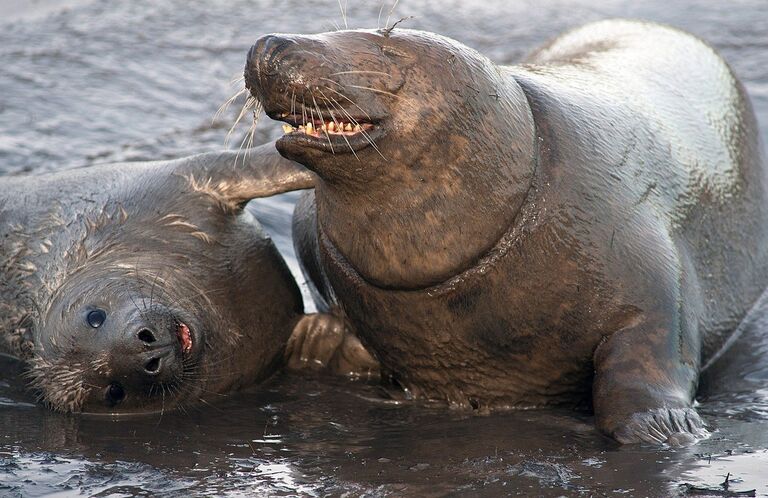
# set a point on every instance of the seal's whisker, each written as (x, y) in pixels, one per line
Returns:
(247, 141)
(311, 115)
(361, 72)
(350, 101)
(223, 107)
(323, 126)
(206, 293)
(176, 392)
(389, 14)
(251, 134)
(378, 20)
(338, 106)
(203, 401)
(136, 305)
(152, 289)
(250, 103)
(364, 133)
(335, 104)
(343, 14)
(383, 92)
(162, 405)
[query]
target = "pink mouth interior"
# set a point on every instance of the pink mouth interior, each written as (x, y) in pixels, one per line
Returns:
(185, 338)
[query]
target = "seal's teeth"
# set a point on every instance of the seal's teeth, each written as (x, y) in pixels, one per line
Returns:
(317, 128)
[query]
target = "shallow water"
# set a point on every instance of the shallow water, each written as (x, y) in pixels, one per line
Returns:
(95, 82)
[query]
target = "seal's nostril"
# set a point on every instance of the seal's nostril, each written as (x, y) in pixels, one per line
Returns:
(152, 366)
(114, 393)
(147, 336)
(268, 48)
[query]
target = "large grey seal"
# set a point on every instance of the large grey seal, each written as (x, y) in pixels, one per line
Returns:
(140, 287)
(590, 223)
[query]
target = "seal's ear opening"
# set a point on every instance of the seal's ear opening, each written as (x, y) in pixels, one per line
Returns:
(234, 178)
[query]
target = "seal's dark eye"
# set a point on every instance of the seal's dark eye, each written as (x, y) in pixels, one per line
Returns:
(96, 318)
(114, 393)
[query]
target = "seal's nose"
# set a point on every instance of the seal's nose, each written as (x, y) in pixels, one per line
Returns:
(264, 63)
(148, 354)
(265, 52)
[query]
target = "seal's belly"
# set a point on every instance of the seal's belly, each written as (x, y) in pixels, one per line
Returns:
(484, 339)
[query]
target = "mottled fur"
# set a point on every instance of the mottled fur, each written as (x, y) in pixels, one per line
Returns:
(141, 237)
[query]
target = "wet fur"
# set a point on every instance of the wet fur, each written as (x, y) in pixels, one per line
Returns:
(587, 224)
(170, 232)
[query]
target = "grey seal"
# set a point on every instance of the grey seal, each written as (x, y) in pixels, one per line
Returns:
(586, 226)
(142, 287)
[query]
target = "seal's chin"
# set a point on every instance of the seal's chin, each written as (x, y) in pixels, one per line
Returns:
(335, 137)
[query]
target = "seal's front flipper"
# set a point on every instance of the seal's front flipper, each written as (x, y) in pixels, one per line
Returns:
(644, 386)
(322, 341)
(236, 177)
(672, 426)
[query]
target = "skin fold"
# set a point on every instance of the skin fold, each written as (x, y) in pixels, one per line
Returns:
(585, 226)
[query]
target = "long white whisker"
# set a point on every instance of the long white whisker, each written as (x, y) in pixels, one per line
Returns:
(334, 103)
(351, 102)
(378, 21)
(250, 102)
(361, 72)
(343, 15)
(383, 92)
(394, 5)
(223, 108)
(367, 137)
(322, 125)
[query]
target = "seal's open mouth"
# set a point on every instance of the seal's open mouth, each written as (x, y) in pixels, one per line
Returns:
(184, 335)
(329, 132)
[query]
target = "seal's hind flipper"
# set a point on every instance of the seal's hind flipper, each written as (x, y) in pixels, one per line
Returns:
(237, 177)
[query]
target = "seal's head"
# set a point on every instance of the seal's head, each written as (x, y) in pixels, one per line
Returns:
(374, 96)
(152, 311)
(113, 341)
(400, 126)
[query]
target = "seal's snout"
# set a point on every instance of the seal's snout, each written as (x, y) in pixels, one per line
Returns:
(150, 349)
(141, 350)
(325, 90)
(264, 63)
(266, 50)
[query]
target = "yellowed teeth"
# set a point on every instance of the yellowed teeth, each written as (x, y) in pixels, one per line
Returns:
(331, 127)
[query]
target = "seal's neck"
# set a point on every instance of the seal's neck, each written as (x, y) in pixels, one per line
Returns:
(439, 204)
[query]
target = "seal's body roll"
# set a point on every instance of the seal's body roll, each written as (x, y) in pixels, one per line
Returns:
(589, 223)
(140, 287)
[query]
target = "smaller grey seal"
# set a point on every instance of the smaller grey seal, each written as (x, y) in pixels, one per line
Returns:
(140, 287)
